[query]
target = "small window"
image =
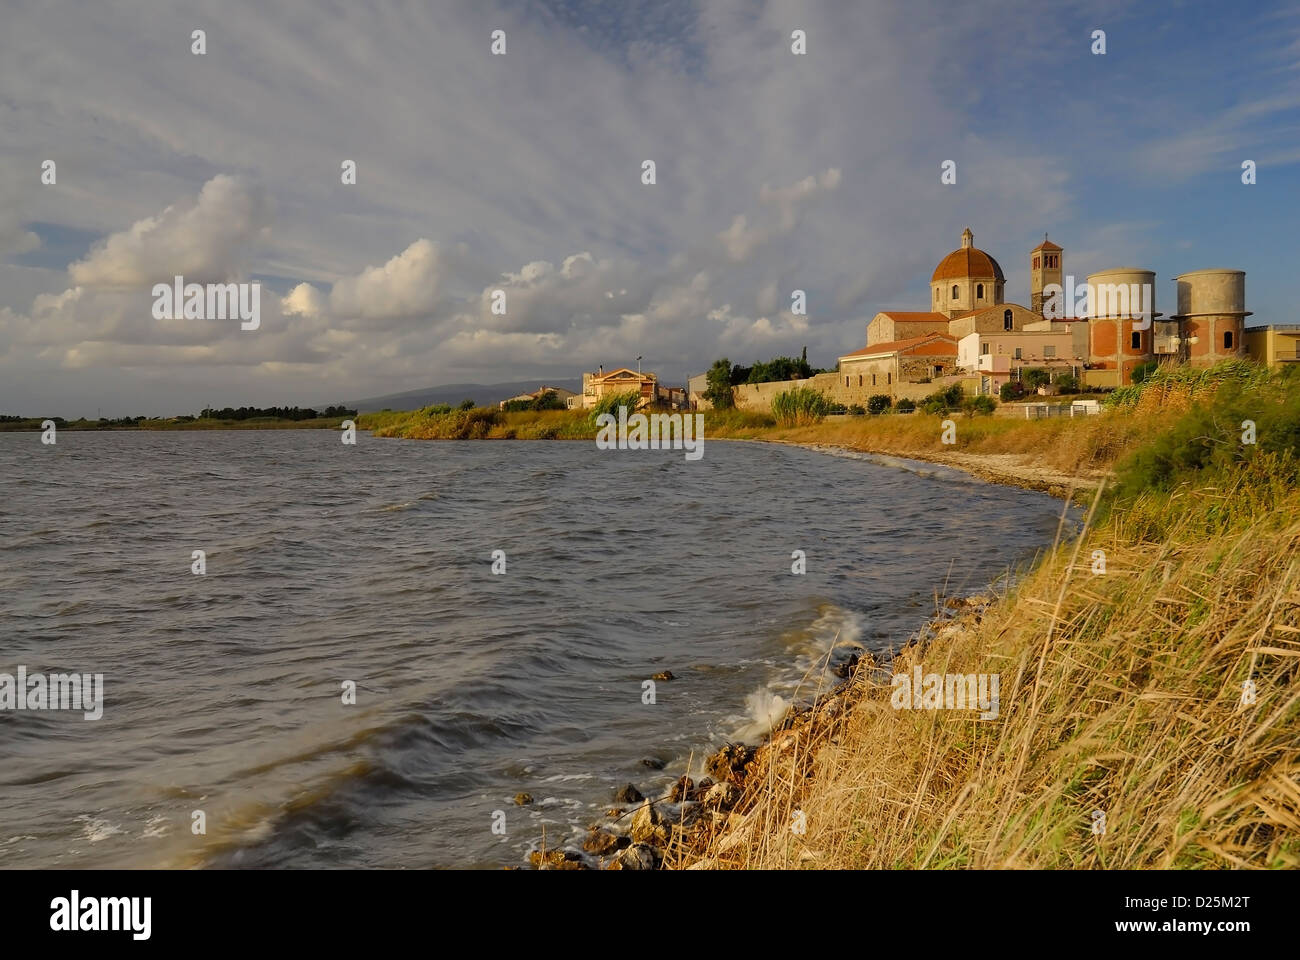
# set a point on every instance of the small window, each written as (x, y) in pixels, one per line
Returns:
(1018, 357)
(1136, 340)
(1049, 351)
(1035, 263)
(846, 381)
(889, 378)
(1227, 340)
(873, 379)
(936, 294)
(954, 291)
(979, 291)
(984, 349)
(859, 379)
(1006, 320)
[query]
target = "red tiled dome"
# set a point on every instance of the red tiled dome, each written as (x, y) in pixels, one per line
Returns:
(968, 262)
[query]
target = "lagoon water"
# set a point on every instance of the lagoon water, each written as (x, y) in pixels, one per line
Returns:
(328, 563)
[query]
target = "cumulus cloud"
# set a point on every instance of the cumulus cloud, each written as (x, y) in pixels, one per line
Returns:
(207, 240)
(404, 287)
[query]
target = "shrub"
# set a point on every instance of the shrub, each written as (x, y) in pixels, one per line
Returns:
(610, 403)
(837, 408)
(941, 401)
(1011, 390)
(799, 407)
(1067, 383)
(981, 404)
(857, 410)
(1035, 377)
(467, 404)
(906, 405)
(878, 403)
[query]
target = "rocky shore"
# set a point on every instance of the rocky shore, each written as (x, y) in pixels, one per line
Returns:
(695, 824)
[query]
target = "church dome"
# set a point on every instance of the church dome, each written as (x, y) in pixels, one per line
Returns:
(968, 261)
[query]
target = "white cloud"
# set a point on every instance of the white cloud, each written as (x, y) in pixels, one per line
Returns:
(404, 287)
(205, 241)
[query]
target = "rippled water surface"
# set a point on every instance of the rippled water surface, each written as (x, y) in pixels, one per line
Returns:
(328, 563)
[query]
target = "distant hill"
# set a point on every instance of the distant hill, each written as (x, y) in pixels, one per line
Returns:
(483, 394)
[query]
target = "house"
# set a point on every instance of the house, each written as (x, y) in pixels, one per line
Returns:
(624, 380)
(565, 396)
(1276, 345)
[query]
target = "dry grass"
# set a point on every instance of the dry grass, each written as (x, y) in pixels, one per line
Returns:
(1120, 692)
(1075, 446)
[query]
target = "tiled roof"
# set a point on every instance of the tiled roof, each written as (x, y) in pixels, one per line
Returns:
(967, 262)
(932, 344)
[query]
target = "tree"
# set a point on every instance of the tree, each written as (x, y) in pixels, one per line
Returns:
(1035, 377)
(719, 391)
(1011, 390)
(467, 404)
(878, 403)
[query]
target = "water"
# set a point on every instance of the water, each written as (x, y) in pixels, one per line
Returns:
(328, 563)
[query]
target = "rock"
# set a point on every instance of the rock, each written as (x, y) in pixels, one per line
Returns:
(831, 709)
(665, 675)
(628, 794)
(702, 788)
(728, 761)
(654, 763)
(722, 795)
(602, 842)
(523, 799)
(615, 812)
(688, 813)
(845, 668)
(639, 856)
(648, 825)
(681, 790)
(556, 860)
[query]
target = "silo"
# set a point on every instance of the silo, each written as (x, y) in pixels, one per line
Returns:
(1121, 308)
(1212, 314)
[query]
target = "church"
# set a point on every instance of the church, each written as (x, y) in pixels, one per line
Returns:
(972, 336)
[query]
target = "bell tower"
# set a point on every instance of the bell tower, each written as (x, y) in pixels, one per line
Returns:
(1045, 267)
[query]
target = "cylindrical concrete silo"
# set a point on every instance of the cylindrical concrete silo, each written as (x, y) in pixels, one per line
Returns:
(1212, 314)
(1121, 308)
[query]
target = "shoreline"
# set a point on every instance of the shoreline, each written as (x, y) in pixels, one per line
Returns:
(1002, 469)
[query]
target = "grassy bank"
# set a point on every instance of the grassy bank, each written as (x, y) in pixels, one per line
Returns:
(1123, 658)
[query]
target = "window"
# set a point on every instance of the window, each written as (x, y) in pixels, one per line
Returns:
(1136, 340)
(984, 349)
(954, 291)
(846, 381)
(1227, 340)
(889, 378)
(1018, 357)
(1035, 263)
(936, 294)
(859, 379)
(873, 379)
(1006, 320)
(979, 291)
(1049, 351)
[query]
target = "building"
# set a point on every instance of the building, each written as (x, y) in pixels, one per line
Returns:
(649, 390)
(1275, 345)
(877, 368)
(565, 396)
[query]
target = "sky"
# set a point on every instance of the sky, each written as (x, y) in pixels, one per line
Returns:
(522, 172)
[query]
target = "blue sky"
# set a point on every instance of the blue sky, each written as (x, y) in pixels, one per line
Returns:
(775, 172)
